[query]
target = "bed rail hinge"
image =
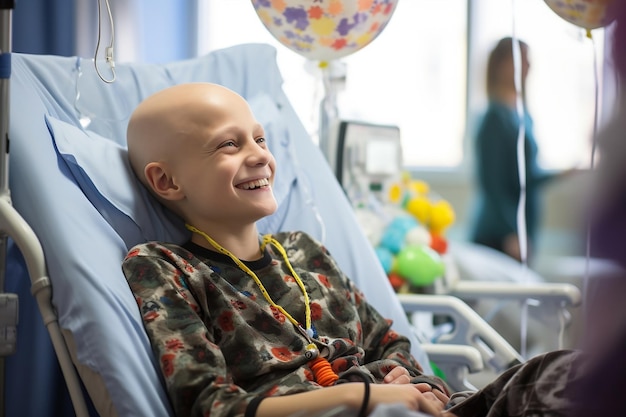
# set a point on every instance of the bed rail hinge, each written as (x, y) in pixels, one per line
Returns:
(8, 324)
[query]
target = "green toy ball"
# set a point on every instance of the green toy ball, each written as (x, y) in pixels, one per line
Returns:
(419, 264)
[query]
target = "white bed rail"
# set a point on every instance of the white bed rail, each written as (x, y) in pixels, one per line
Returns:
(15, 227)
(545, 292)
(469, 328)
(455, 361)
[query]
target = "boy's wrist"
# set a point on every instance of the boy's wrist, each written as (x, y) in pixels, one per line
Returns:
(349, 394)
(355, 393)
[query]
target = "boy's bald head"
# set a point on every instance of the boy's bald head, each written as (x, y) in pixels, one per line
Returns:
(162, 122)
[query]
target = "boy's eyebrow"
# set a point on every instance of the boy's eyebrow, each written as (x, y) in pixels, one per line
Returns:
(234, 130)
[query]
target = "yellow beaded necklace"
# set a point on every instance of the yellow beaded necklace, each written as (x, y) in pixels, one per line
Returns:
(322, 371)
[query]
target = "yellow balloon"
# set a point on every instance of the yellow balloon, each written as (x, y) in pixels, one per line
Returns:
(420, 208)
(441, 216)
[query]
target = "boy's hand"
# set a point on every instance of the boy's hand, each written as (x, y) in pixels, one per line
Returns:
(398, 375)
(406, 394)
(437, 393)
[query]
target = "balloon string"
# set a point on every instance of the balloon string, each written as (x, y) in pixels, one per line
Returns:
(521, 149)
(592, 162)
(329, 111)
(521, 171)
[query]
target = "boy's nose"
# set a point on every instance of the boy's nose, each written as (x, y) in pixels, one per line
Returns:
(259, 156)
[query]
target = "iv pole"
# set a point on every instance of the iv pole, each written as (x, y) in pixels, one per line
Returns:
(8, 302)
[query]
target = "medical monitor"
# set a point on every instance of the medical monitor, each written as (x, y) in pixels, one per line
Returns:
(367, 155)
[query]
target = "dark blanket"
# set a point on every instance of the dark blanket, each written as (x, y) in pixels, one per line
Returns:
(537, 388)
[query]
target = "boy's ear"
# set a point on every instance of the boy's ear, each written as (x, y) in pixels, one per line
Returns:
(159, 180)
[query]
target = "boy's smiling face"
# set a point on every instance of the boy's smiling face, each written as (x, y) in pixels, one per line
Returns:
(209, 158)
(224, 166)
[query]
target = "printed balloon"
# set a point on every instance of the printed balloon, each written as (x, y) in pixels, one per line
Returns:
(325, 29)
(588, 14)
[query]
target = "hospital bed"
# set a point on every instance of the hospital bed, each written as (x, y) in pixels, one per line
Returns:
(83, 209)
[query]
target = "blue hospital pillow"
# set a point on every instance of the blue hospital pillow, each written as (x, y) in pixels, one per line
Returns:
(101, 169)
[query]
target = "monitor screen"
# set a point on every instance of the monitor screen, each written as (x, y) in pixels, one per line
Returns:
(368, 155)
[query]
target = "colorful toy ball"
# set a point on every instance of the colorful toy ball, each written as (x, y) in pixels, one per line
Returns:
(385, 256)
(395, 233)
(418, 235)
(396, 281)
(438, 243)
(419, 264)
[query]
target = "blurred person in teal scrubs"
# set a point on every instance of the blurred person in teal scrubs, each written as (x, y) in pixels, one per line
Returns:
(497, 176)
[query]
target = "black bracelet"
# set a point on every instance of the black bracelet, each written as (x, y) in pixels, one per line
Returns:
(366, 398)
(366, 395)
(253, 406)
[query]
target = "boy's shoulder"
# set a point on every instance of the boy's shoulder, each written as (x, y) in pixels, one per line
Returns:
(155, 248)
(298, 240)
(302, 247)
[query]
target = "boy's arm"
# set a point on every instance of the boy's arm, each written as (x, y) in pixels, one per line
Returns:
(349, 397)
(385, 349)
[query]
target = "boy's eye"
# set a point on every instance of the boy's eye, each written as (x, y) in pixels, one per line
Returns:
(260, 140)
(230, 143)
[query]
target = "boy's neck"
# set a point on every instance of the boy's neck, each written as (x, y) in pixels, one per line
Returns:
(243, 243)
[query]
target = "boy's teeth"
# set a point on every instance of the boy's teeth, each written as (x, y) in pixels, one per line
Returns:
(255, 184)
